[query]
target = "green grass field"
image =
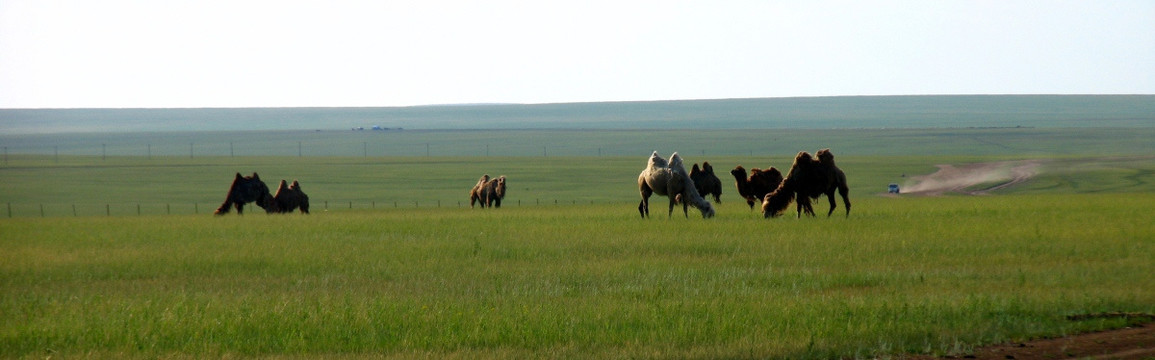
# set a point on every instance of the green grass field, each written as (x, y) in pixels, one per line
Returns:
(107, 248)
(900, 275)
(583, 279)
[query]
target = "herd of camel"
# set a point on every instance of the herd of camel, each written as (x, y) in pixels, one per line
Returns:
(809, 177)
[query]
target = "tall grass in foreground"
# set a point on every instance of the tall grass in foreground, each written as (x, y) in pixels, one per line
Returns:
(900, 275)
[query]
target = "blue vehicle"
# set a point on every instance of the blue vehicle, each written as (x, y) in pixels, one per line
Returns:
(892, 188)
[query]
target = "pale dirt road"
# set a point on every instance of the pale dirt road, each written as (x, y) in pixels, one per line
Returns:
(963, 179)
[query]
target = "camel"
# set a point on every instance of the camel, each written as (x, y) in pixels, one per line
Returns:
(475, 193)
(670, 179)
(706, 182)
(493, 192)
(289, 198)
(760, 183)
(808, 178)
(246, 189)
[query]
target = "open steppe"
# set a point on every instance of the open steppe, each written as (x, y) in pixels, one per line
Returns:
(108, 250)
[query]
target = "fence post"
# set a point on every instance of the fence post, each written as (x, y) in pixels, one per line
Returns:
(138, 209)
(41, 210)
(350, 204)
(168, 209)
(196, 208)
(73, 209)
(107, 210)
(10, 210)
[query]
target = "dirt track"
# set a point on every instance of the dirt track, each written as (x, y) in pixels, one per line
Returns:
(1126, 344)
(964, 179)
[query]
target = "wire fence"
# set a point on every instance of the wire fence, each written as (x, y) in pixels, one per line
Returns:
(26, 210)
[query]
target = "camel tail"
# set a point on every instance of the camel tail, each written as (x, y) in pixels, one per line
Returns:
(777, 201)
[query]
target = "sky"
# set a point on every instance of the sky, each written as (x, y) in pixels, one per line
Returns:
(257, 53)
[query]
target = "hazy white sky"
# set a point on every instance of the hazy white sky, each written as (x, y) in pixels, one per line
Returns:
(242, 53)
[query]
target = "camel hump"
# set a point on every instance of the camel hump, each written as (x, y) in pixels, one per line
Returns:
(295, 185)
(707, 168)
(255, 176)
(694, 169)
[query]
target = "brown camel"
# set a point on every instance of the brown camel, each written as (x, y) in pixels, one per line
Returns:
(493, 192)
(808, 178)
(706, 182)
(289, 198)
(246, 189)
(475, 193)
(755, 187)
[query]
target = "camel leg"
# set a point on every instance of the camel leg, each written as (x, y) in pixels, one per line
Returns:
(644, 206)
(804, 205)
(845, 192)
(799, 205)
(240, 208)
(833, 204)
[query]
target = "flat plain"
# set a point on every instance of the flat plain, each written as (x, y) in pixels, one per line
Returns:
(114, 254)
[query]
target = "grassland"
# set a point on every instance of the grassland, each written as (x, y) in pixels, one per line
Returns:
(901, 275)
(392, 264)
(583, 279)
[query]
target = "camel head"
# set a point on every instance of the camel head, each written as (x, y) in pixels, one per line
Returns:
(825, 157)
(707, 211)
(739, 173)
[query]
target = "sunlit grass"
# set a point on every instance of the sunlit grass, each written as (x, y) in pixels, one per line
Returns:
(901, 275)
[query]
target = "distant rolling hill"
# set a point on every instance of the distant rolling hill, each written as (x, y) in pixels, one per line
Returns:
(947, 111)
